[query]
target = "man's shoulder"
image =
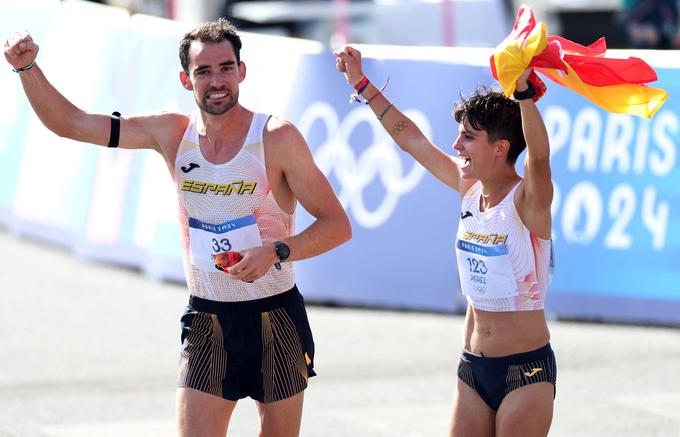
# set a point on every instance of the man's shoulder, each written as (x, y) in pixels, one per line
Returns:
(278, 125)
(167, 128)
(170, 120)
(162, 121)
(279, 130)
(283, 141)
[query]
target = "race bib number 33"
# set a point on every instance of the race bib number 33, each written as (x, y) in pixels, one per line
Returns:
(208, 239)
(485, 271)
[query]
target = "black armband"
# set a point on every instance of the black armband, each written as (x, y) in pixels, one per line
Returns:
(115, 129)
(528, 93)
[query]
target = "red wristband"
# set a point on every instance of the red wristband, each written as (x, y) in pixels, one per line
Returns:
(361, 86)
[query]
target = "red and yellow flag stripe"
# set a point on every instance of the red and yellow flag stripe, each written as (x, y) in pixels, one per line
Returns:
(616, 85)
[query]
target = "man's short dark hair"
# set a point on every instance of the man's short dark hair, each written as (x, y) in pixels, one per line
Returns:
(499, 116)
(211, 32)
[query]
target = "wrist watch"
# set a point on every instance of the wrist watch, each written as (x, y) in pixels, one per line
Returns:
(528, 93)
(282, 250)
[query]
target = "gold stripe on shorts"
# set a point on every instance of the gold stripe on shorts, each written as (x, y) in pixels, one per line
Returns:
(204, 360)
(284, 371)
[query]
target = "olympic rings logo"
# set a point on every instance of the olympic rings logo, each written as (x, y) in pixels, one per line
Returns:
(354, 173)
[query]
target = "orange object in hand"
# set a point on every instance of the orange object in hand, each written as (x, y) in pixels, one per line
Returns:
(224, 260)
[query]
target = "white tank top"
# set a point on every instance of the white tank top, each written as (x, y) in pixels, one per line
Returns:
(228, 207)
(502, 265)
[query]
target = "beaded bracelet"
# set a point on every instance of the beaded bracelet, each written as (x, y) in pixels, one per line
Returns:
(380, 117)
(26, 68)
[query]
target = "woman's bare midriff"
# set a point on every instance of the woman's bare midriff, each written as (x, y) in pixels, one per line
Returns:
(497, 334)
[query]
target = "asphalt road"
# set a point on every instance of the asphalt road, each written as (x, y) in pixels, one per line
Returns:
(90, 350)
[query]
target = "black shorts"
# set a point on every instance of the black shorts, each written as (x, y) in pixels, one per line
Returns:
(494, 377)
(261, 348)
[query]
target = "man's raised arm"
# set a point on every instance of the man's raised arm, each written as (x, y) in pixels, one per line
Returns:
(61, 116)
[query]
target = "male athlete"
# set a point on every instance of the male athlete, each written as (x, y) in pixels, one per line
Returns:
(239, 176)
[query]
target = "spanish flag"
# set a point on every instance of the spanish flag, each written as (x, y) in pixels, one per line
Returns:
(616, 85)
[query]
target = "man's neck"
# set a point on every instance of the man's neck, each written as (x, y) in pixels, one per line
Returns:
(224, 133)
(222, 124)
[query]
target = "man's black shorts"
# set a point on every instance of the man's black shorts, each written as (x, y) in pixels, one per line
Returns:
(261, 348)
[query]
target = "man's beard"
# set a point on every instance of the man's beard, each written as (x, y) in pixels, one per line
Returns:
(219, 108)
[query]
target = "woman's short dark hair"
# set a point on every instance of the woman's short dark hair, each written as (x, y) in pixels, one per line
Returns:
(213, 32)
(499, 116)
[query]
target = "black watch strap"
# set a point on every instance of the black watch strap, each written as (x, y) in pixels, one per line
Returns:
(528, 93)
(282, 250)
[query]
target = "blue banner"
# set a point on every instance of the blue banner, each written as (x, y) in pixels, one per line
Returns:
(616, 213)
(616, 223)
